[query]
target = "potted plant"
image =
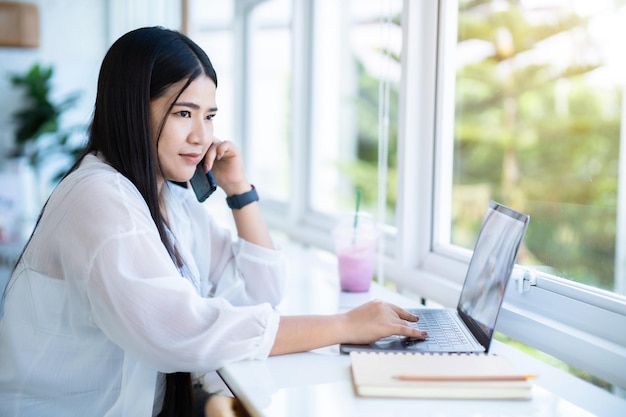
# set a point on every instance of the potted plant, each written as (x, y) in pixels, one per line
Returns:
(38, 135)
(39, 142)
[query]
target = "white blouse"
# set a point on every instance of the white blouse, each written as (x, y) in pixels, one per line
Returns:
(96, 310)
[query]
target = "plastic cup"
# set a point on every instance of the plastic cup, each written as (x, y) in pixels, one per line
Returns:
(356, 251)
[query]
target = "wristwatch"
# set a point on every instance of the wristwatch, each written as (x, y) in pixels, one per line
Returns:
(238, 201)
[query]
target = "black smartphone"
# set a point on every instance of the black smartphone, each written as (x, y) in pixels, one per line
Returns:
(203, 184)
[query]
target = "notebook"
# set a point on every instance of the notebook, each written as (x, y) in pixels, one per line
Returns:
(469, 327)
(437, 376)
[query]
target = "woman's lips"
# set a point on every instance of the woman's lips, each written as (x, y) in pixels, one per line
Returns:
(192, 158)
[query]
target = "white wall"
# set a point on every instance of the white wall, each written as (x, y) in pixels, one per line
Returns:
(73, 39)
(74, 36)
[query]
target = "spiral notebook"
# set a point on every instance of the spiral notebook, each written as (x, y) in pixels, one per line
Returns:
(437, 376)
(470, 327)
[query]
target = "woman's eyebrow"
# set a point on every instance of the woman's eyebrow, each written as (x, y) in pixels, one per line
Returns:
(193, 106)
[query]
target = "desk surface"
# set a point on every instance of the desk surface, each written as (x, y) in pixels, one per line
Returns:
(318, 383)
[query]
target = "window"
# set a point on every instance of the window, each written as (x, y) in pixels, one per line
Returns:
(529, 112)
(516, 101)
(268, 81)
(356, 52)
(306, 110)
(538, 110)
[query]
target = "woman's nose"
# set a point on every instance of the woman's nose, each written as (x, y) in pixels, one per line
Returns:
(201, 133)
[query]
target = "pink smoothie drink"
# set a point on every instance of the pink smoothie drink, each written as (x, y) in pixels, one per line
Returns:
(356, 267)
(356, 240)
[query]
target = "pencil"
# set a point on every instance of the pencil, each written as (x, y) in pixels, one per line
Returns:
(444, 378)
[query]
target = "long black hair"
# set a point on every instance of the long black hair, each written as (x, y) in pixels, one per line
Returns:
(138, 68)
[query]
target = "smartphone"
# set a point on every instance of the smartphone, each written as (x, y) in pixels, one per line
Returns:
(203, 184)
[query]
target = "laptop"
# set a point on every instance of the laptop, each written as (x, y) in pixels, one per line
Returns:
(469, 327)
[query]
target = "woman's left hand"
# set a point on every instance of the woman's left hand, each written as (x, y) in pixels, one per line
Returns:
(224, 159)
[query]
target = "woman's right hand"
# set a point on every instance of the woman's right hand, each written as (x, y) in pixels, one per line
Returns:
(377, 319)
(364, 324)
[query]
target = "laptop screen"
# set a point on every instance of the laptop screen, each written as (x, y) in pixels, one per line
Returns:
(490, 268)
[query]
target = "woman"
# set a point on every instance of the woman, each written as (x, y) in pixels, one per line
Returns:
(127, 285)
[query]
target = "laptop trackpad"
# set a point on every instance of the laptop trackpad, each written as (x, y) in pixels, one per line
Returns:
(401, 343)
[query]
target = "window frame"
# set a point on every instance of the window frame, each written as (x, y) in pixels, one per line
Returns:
(553, 315)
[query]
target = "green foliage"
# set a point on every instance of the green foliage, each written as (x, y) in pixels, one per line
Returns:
(527, 133)
(38, 133)
(540, 138)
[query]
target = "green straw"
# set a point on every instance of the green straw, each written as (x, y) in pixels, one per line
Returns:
(356, 215)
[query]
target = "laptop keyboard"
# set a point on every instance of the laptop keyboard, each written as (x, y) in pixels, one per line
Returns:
(442, 329)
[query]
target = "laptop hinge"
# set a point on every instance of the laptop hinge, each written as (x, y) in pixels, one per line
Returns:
(524, 279)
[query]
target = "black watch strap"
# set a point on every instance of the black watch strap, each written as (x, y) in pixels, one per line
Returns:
(238, 201)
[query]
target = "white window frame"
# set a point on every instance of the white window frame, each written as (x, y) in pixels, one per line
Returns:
(554, 315)
(580, 325)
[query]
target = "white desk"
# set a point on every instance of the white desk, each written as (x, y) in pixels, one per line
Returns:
(318, 383)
